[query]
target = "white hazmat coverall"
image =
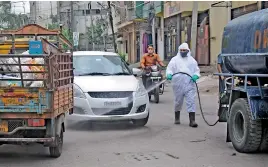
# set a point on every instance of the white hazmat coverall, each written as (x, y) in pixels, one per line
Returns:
(182, 84)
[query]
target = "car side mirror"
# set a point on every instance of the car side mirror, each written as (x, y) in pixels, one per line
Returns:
(136, 72)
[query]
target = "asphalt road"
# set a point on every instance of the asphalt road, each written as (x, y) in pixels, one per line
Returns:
(159, 144)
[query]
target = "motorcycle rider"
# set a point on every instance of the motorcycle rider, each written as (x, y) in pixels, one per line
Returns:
(149, 59)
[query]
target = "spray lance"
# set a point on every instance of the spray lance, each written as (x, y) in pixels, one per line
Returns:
(199, 100)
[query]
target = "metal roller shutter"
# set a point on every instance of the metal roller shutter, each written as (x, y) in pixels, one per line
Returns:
(244, 10)
(264, 4)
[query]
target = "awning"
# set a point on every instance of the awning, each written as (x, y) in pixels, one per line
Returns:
(122, 25)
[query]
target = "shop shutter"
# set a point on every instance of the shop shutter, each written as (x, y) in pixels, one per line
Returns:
(264, 4)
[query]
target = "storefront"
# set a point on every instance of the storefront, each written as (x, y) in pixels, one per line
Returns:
(203, 39)
(170, 37)
(264, 4)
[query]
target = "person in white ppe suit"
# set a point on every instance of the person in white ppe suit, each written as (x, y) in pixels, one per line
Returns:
(182, 84)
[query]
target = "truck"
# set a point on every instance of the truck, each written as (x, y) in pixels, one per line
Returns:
(244, 103)
(36, 95)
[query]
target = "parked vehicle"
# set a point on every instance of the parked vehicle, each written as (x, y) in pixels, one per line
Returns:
(106, 89)
(36, 90)
(244, 104)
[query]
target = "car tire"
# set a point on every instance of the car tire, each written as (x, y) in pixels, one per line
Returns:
(140, 122)
(245, 133)
(264, 141)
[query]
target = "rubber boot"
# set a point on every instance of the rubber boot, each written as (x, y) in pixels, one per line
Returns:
(177, 117)
(192, 120)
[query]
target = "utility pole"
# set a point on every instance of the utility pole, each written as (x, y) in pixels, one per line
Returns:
(51, 12)
(153, 24)
(103, 27)
(194, 28)
(58, 12)
(69, 20)
(72, 17)
(93, 28)
(86, 29)
(112, 24)
(72, 20)
(153, 32)
(33, 11)
(24, 12)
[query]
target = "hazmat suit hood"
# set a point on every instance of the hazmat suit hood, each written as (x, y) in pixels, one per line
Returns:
(184, 46)
(183, 64)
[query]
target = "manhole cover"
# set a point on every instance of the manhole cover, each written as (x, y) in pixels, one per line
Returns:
(146, 156)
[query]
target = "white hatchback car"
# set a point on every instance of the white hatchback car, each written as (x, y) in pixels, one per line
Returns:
(106, 89)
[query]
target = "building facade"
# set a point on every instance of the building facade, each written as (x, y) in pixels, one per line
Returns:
(212, 18)
(135, 28)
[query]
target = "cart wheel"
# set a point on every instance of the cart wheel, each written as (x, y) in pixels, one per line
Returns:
(245, 133)
(56, 151)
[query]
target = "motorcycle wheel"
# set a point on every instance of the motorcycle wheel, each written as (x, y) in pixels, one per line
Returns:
(156, 95)
(162, 89)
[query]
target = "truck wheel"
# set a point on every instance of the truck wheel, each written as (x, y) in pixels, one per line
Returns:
(264, 141)
(140, 122)
(245, 133)
(56, 151)
(156, 95)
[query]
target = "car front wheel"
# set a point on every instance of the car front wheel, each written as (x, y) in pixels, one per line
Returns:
(140, 122)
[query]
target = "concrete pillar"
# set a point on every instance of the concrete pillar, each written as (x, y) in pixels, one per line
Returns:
(178, 41)
(194, 28)
(134, 41)
(160, 39)
(229, 9)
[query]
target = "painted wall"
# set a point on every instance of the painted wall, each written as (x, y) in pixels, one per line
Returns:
(172, 8)
(218, 18)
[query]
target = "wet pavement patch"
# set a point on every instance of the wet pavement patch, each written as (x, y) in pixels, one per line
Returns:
(146, 156)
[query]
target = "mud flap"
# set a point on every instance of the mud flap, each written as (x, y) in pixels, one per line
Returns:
(223, 107)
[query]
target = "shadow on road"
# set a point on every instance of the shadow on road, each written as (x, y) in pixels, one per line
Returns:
(101, 126)
(22, 154)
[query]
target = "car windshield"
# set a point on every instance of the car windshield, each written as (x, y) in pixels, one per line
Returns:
(99, 65)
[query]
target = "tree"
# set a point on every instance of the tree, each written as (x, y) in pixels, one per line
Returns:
(98, 31)
(10, 20)
(65, 32)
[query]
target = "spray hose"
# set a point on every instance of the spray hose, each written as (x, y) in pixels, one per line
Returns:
(200, 105)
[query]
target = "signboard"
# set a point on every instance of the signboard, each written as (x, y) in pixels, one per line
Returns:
(76, 38)
(35, 47)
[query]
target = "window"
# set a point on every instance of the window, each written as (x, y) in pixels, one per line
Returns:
(86, 65)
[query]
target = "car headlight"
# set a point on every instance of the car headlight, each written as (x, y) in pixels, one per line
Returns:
(140, 91)
(78, 92)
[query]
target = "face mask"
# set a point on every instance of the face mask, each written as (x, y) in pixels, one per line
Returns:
(184, 54)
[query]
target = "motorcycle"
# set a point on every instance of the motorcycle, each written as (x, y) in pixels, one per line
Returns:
(153, 82)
